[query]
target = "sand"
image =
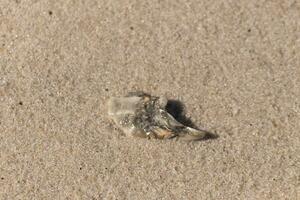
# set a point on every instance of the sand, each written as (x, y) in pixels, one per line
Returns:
(235, 66)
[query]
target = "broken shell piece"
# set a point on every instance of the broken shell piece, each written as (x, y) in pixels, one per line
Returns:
(141, 115)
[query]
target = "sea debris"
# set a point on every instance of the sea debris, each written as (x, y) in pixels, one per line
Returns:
(142, 115)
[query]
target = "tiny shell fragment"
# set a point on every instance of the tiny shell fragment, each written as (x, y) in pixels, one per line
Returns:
(141, 115)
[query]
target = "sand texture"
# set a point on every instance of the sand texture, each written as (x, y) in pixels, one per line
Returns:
(235, 65)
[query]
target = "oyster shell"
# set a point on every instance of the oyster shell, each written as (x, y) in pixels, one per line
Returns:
(142, 115)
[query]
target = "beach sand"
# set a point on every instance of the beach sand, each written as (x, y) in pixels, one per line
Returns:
(235, 66)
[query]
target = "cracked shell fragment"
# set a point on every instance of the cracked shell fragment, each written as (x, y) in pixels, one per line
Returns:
(142, 115)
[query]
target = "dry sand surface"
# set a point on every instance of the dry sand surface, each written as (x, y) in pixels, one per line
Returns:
(235, 66)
